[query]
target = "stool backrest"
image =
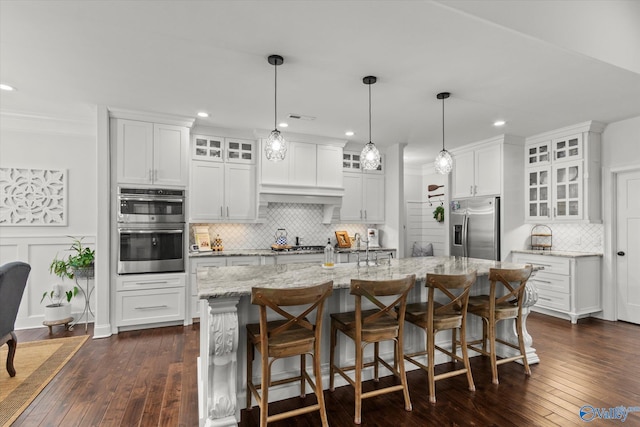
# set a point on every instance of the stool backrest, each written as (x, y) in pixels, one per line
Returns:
(372, 289)
(512, 280)
(311, 296)
(444, 283)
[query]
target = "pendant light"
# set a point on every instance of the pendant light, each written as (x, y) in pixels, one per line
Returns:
(370, 156)
(275, 148)
(444, 161)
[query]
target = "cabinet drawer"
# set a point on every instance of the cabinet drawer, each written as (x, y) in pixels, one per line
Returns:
(149, 281)
(551, 264)
(555, 300)
(150, 306)
(551, 282)
(207, 262)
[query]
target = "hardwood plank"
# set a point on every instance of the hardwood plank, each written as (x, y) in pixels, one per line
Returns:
(149, 378)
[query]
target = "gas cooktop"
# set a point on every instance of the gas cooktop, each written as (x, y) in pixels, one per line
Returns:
(299, 248)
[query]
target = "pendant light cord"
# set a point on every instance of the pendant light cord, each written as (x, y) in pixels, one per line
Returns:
(442, 124)
(275, 97)
(369, 112)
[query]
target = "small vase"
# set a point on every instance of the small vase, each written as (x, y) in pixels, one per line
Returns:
(54, 312)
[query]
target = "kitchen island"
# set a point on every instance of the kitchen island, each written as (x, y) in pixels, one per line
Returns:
(226, 308)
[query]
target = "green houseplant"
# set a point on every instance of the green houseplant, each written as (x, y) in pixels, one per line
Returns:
(77, 264)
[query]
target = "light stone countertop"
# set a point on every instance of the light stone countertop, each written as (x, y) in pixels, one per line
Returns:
(238, 280)
(567, 254)
(269, 252)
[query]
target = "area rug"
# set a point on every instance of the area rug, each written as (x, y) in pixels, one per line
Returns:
(36, 363)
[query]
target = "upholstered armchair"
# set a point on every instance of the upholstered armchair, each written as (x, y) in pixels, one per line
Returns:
(13, 279)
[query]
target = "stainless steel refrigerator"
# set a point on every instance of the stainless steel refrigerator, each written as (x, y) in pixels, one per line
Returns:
(475, 228)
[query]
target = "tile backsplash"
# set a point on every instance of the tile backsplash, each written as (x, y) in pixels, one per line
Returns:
(302, 220)
(577, 237)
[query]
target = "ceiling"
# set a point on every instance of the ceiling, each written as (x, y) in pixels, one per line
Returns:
(537, 65)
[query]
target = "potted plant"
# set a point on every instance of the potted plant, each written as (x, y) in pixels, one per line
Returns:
(78, 264)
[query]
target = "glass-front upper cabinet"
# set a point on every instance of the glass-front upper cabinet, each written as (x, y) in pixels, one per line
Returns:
(538, 154)
(208, 148)
(240, 150)
(538, 193)
(567, 190)
(569, 148)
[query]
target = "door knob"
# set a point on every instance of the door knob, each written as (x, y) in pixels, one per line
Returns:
(621, 253)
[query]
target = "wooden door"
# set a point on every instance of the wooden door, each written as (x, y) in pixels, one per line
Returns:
(628, 246)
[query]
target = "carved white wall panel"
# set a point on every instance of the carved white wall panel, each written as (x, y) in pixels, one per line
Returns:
(33, 197)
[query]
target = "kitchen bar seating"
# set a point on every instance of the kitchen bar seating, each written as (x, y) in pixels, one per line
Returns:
(433, 316)
(495, 307)
(294, 335)
(364, 327)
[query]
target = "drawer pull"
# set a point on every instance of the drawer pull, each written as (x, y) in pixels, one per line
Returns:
(542, 281)
(545, 265)
(151, 307)
(157, 282)
(545, 299)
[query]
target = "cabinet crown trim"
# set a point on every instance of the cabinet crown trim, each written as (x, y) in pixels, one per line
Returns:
(117, 113)
(590, 126)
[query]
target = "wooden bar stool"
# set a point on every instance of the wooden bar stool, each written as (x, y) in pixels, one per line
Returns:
(373, 326)
(493, 308)
(293, 335)
(433, 317)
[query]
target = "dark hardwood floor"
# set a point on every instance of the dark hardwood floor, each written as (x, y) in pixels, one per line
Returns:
(146, 378)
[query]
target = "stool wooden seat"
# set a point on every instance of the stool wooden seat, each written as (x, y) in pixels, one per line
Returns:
(373, 326)
(433, 317)
(293, 335)
(493, 308)
(51, 323)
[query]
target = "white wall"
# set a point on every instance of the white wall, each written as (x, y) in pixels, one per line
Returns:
(620, 152)
(39, 142)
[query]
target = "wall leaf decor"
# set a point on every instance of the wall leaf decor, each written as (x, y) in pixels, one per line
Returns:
(33, 197)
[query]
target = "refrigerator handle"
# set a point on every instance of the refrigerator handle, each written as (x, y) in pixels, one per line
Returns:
(465, 235)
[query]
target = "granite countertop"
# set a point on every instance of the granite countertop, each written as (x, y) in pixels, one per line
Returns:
(238, 280)
(567, 254)
(269, 252)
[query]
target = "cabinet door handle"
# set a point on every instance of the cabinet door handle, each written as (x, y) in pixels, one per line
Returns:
(227, 211)
(365, 214)
(221, 212)
(360, 213)
(471, 190)
(151, 307)
(150, 174)
(475, 189)
(621, 253)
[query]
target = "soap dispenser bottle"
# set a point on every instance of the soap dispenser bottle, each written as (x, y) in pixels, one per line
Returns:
(328, 255)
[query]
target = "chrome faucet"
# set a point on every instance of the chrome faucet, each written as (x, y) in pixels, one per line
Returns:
(359, 239)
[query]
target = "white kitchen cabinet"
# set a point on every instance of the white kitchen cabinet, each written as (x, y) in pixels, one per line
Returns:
(477, 171)
(220, 149)
(148, 299)
(363, 200)
(570, 158)
(567, 287)
(211, 261)
(316, 167)
(222, 190)
(151, 153)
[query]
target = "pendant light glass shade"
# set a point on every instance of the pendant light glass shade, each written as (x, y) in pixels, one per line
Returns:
(275, 148)
(444, 161)
(370, 156)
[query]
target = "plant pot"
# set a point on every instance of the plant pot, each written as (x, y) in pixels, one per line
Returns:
(55, 312)
(85, 272)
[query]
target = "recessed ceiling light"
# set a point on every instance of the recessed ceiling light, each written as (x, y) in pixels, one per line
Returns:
(349, 133)
(499, 123)
(6, 87)
(203, 114)
(283, 125)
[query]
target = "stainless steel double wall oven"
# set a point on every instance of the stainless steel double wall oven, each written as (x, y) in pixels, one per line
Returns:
(151, 227)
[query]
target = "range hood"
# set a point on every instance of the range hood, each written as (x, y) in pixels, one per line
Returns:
(329, 198)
